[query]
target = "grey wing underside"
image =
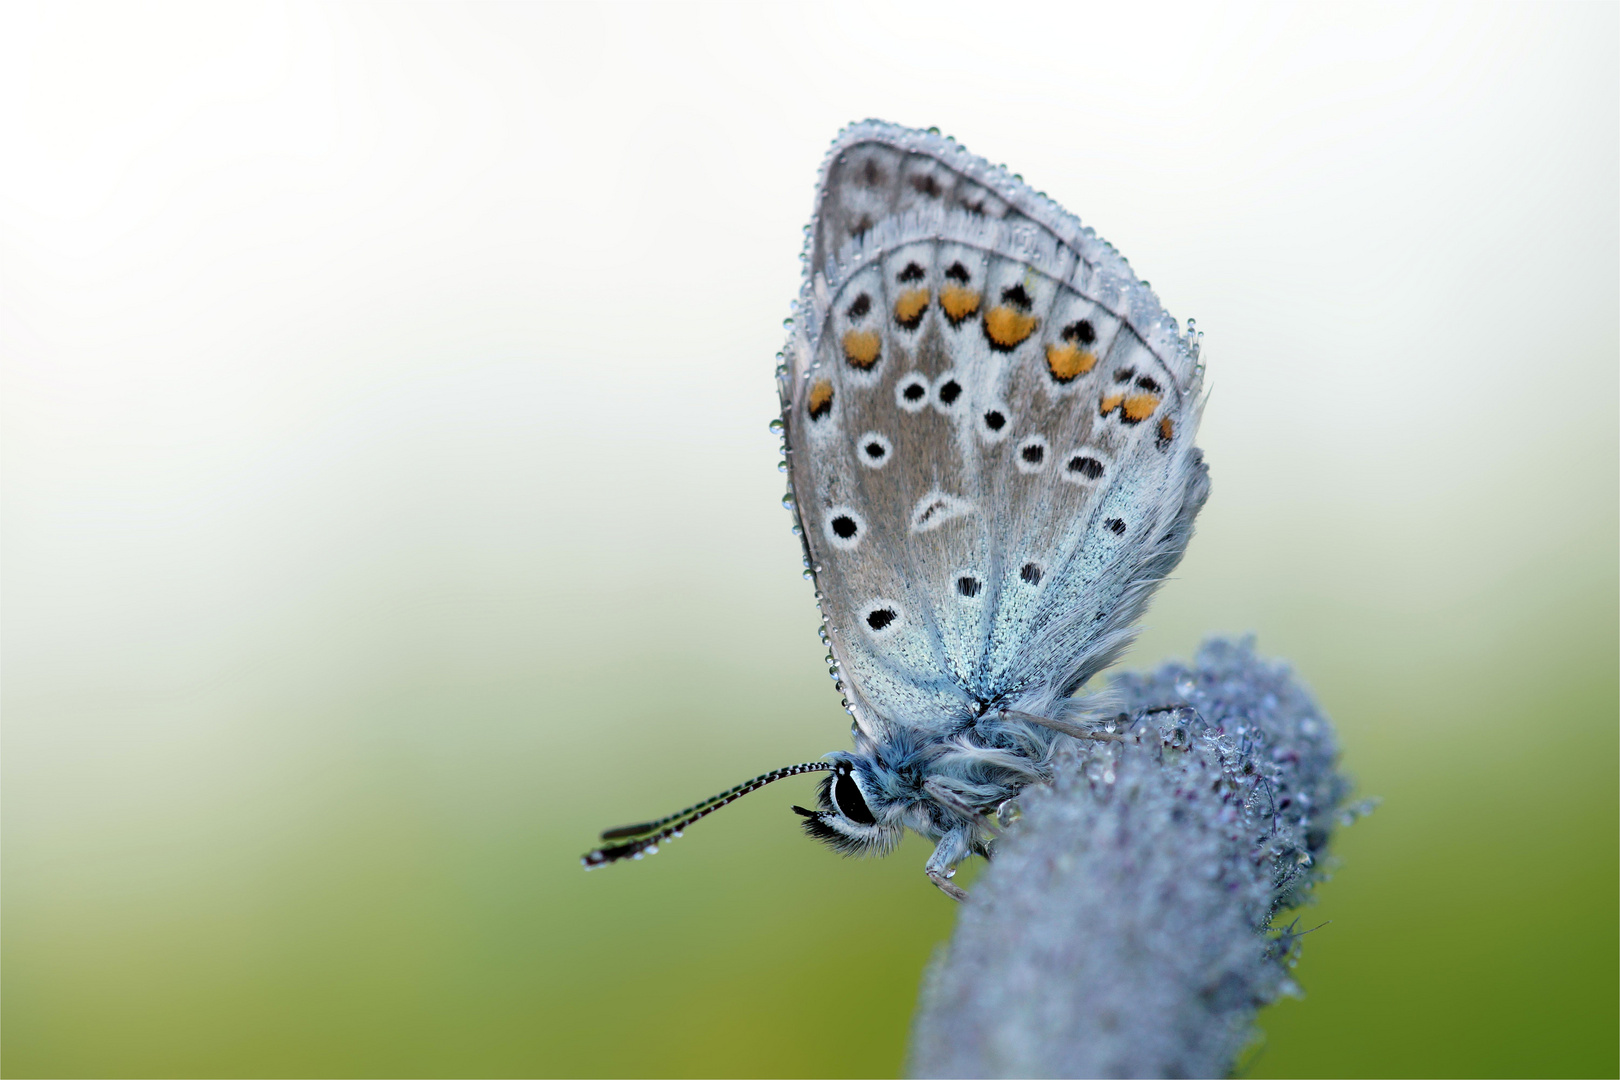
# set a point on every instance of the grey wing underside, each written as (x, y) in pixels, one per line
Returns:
(990, 429)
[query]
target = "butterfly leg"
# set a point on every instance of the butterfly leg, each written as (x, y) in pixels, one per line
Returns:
(952, 848)
(955, 892)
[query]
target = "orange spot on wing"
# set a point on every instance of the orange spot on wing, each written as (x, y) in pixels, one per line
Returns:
(1167, 430)
(1007, 326)
(1110, 402)
(958, 302)
(1068, 362)
(861, 348)
(909, 308)
(1139, 407)
(821, 395)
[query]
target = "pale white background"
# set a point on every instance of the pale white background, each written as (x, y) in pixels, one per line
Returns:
(349, 348)
(309, 309)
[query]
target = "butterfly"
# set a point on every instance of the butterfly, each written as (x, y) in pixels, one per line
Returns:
(988, 426)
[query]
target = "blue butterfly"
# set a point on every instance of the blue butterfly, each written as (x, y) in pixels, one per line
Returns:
(988, 422)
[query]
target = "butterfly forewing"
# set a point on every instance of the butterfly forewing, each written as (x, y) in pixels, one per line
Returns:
(989, 426)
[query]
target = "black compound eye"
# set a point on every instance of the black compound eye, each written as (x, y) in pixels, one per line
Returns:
(847, 796)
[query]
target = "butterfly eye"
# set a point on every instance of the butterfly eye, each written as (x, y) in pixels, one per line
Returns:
(848, 798)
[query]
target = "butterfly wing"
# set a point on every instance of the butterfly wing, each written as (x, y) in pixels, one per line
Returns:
(990, 427)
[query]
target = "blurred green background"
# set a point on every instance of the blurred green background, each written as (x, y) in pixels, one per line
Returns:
(388, 506)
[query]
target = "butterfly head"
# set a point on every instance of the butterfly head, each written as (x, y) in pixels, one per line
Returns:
(856, 814)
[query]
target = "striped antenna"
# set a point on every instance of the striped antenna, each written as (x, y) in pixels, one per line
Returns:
(652, 833)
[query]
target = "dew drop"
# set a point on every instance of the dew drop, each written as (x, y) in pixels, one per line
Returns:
(777, 427)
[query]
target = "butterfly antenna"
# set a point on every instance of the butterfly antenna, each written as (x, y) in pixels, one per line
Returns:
(650, 834)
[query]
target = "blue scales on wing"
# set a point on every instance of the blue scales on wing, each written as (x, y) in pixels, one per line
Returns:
(990, 427)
